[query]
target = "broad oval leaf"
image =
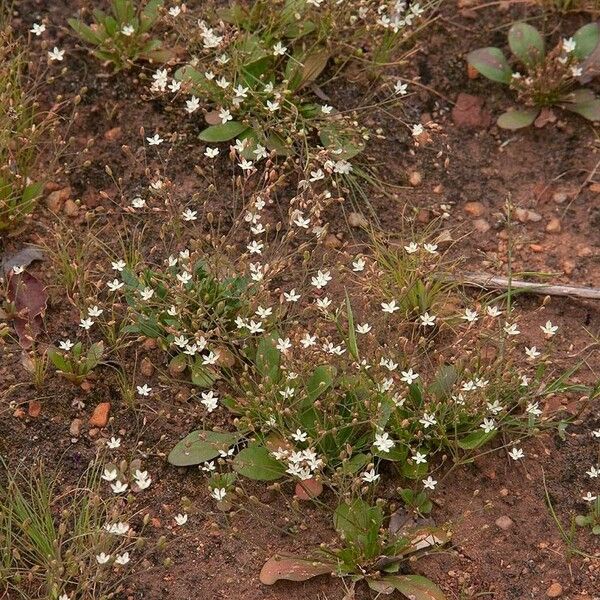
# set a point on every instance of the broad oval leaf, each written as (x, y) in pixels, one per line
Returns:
(268, 358)
(256, 462)
(293, 568)
(590, 110)
(491, 63)
(527, 44)
(319, 382)
(415, 587)
(476, 439)
(517, 119)
(586, 40)
(223, 132)
(200, 446)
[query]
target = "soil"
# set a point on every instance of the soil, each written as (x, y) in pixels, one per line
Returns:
(468, 170)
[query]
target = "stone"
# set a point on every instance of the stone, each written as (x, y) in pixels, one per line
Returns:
(554, 225)
(536, 247)
(357, 220)
(34, 409)
(475, 209)
(331, 241)
(504, 523)
(481, 225)
(525, 214)
(559, 197)
(113, 134)
(146, 367)
(75, 427)
(70, 208)
(99, 417)
(555, 590)
(56, 199)
(424, 216)
(308, 489)
(415, 178)
(468, 112)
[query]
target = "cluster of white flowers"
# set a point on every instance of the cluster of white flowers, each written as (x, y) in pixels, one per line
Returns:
(302, 464)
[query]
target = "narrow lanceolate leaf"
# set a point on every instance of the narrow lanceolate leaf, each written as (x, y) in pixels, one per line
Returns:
(292, 568)
(517, 119)
(414, 587)
(586, 40)
(590, 110)
(200, 446)
(491, 63)
(223, 132)
(527, 44)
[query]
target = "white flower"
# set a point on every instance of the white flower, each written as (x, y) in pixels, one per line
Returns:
(428, 420)
(181, 519)
(144, 390)
(56, 54)
(174, 11)
(66, 345)
(488, 425)
(155, 140)
(532, 353)
(95, 311)
(225, 116)
(218, 494)
(279, 49)
(283, 345)
(431, 248)
(516, 453)
(420, 458)
(326, 109)
(359, 265)
(364, 328)
(316, 175)
(273, 106)
(401, 88)
(511, 329)
(118, 487)
(138, 202)
(576, 71)
(470, 316)
(245, 165)
(299, 436)
(569, 45)
(589, 497)
(593, 472)
(102, 558)
(323, 303)
(18, 269)
(370, 476)
(114, 285)
(142, 479)
(86, 323)
(389, 307)
(109, 474)
(417, 130)
(411, 248)
(533, 408)
(308, 340)
(255, 247)
(549, 329)
(211, 152)
(211, 358)
(113, 443)
(38, 29)
(122, 559)
(128, 30)
(189, 215)
(493, 311)
(192, 105)
(429, 483)
(383, 442)
(301, 222)
(409, 376)
(146, 293)
(291, 296)
(210, 400)
(427, 320)
(321, 280)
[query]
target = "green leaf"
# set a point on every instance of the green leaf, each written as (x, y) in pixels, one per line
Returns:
(293, 568)
(586, 40)
(414, 587)
(94, 355)
(58, 360)
(476, 439)
(319, 382)
(517, 119)
(589, 110)
(311, 67)
(222, 133)
(491, 63)
(85, 32)
(268, 358)
(355, 464)
(200, 446)
(202, 376)
(527, 44)
(256, 462)
(344, 144)
(357, 521)
(443, 382)
(352, 345)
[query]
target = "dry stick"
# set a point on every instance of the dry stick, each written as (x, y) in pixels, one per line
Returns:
(493, 282)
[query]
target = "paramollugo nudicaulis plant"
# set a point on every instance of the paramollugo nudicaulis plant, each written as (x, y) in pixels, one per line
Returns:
(550, 79)
(369, 552)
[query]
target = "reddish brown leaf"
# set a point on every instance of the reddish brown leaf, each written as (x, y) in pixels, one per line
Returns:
(29, 297)
(308, 489)
(292, 568)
